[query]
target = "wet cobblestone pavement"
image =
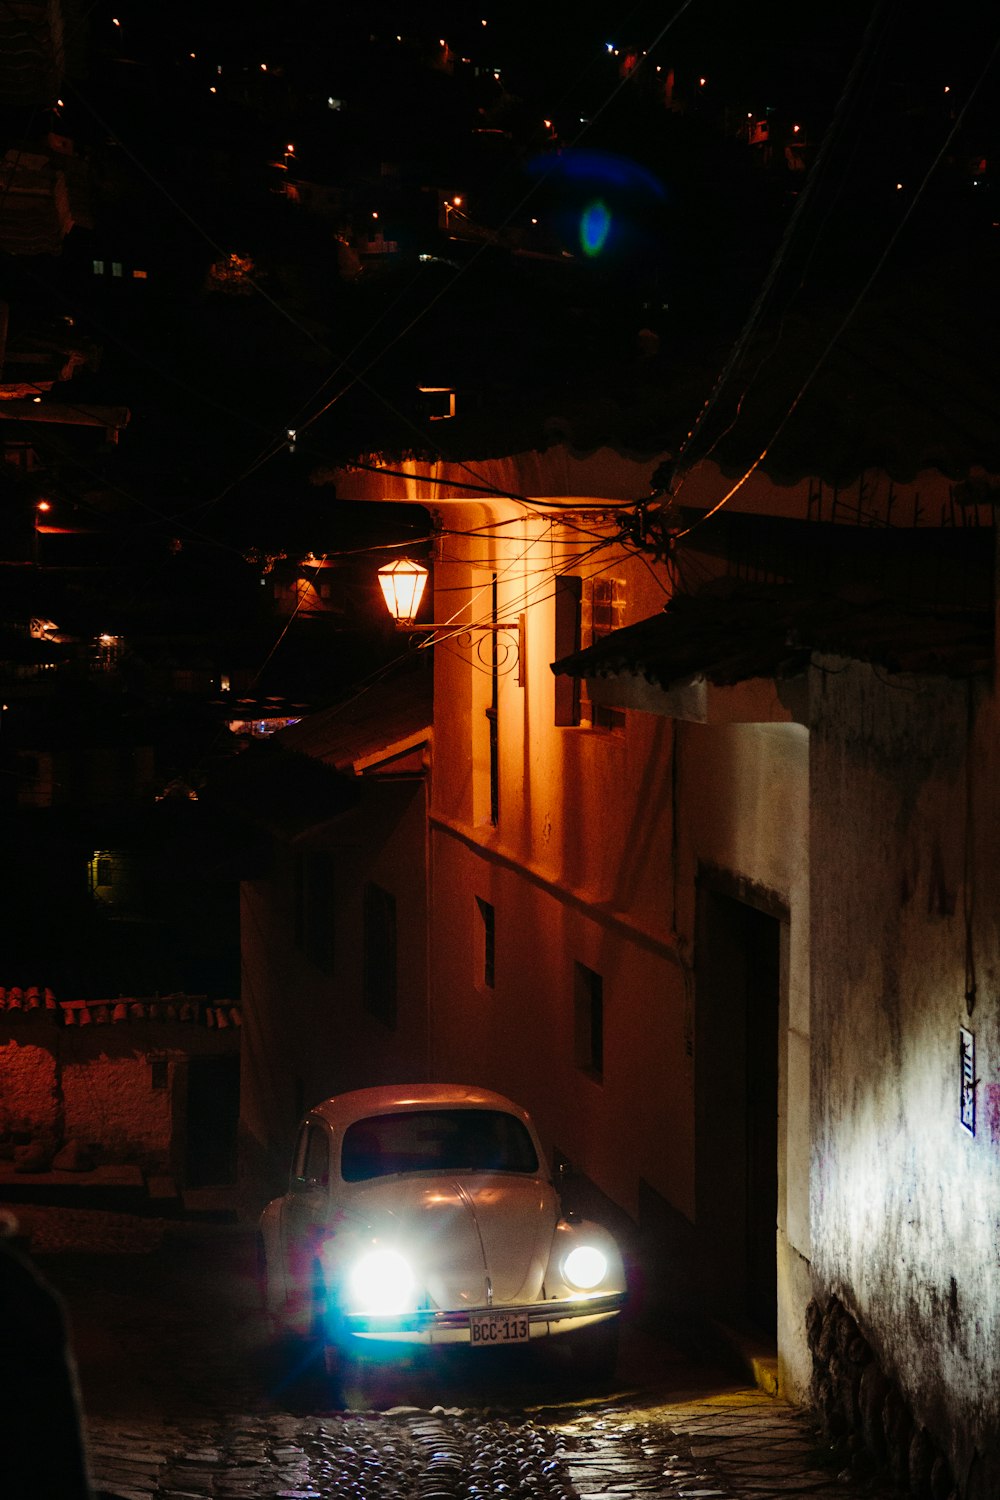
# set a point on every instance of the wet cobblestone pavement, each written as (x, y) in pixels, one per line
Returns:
(734, 1446)
(183, 1402)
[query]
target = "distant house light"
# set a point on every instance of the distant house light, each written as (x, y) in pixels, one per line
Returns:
(140, 275)
(116, 269)
(98, 267)
(332, 103)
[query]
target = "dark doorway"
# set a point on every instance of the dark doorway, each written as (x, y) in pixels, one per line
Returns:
(213, 1111)
(738, 984)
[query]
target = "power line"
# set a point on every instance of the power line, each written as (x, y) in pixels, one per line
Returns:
(852, 310)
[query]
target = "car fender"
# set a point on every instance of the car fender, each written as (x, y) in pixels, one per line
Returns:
(275, 1289)
(571, 1232)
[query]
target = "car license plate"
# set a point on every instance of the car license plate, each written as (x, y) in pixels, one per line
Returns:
(489, 1329)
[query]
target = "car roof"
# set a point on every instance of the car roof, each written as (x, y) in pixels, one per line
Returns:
(343, 1109)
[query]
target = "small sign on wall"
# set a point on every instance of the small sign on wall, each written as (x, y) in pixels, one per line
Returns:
(967, 1073)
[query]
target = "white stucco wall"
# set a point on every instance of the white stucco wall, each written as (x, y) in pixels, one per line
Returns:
(595, 860)
(306, 1032)
(906, 1203)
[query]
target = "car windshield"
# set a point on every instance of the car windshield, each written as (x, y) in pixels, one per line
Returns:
(436, 1140)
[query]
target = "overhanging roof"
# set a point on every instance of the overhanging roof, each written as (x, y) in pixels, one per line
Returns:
(741, 654)
(376, 729)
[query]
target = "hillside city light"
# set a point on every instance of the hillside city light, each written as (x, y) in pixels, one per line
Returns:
(402, 583)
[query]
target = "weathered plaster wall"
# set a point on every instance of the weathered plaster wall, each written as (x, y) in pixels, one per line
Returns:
(111, 1100)
(95, 1085)
(29, 1088)
(906, 1203)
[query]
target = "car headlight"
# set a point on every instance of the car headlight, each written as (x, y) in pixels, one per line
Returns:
(585, 1267)
(382, 1282)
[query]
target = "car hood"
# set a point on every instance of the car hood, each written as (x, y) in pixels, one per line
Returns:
(471, 1239)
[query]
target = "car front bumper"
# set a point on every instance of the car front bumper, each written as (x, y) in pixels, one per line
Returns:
(450, 1326)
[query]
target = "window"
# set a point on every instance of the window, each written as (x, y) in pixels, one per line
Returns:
(588, 1007)
(380, 954)
(567, 605)
(314, 907)
(602, 610)
(98, 267)
(438, 1140)
(586, 609)
(487, 942)
(116, 268)
(312, 1156)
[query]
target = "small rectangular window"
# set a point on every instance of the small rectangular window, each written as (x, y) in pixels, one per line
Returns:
(98, 267)
(588, 1012)
(116, 268)
(380, 954)
(487, 942)
(139, 275)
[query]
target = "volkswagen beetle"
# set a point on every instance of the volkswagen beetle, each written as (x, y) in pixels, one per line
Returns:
(426, 1214)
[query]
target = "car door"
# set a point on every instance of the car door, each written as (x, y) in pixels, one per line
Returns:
(304, 1218)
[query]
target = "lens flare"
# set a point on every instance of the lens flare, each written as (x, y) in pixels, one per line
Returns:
(595, 226)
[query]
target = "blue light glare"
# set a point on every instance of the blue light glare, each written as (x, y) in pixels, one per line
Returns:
(595, 226)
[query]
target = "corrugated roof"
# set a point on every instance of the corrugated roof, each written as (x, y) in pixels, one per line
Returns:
(382, 720)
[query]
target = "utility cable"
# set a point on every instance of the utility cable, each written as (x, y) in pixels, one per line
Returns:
(852, 310)
(802, 203)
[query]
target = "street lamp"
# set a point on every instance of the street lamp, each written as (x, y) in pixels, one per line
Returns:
(403, 582)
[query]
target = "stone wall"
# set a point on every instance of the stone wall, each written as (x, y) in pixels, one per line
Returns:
(116, 1089)
(905, 1192)
(865, 1415)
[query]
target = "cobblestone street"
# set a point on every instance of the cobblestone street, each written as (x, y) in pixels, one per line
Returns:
(183, 1400)
(719, 1447)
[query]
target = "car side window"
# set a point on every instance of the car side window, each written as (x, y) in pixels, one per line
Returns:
(312, 1156)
